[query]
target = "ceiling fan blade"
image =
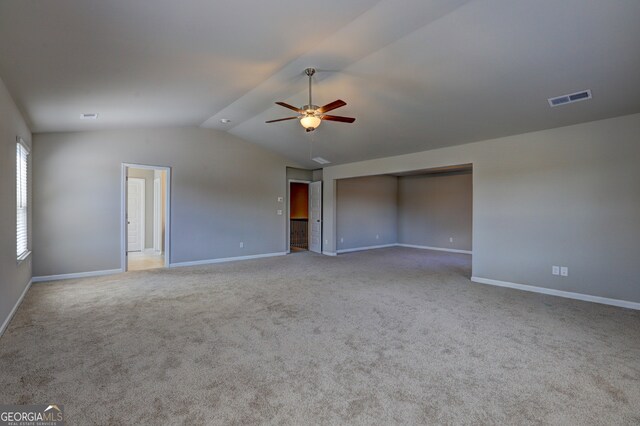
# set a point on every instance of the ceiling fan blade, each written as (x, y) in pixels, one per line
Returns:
(290, 107)
(333, 105)
(338, 118)
(281, 119)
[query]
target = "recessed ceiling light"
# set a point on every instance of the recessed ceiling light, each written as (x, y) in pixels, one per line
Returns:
(321, 160)
(225, 120)
(89, 116)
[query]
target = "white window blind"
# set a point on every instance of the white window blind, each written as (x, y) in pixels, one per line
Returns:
(22, 202)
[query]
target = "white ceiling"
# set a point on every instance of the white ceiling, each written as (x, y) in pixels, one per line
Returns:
(416, 74)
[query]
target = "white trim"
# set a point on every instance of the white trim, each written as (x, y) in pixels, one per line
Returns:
(6, 322)
(365, 248)
(328, 253)
(225, 259)
(123, 212)
(559, 293)
(76, 275)
(23, 257)
(157, 212)
(435, 248)
(123, 217)
(23, 143)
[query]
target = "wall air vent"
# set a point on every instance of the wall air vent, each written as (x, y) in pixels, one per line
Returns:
(321, 160)
(89, 116)
(571, 98)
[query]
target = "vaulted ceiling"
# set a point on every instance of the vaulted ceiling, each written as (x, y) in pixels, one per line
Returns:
(417, 74)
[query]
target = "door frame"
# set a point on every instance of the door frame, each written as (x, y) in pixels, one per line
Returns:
(123, 212)
(288, 235)
(142, 212)
(157, 214)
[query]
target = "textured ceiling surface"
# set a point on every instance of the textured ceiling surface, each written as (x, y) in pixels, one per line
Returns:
(416, 74)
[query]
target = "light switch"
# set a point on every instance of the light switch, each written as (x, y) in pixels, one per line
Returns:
(280, 199)
(279, 212)
(555, 270)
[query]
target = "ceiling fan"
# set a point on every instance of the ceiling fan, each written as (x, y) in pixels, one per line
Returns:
(312, 115)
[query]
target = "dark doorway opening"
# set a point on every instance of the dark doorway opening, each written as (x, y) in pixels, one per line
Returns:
(299, 216)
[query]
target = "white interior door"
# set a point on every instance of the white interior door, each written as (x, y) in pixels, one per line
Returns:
(135, 214)
(315, 217)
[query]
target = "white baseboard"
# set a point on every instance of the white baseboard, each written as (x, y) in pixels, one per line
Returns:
(434, 248)
(225, 259)
(6, 322)
(366, 248)
(560, 293)
(76, 275)
(402, 245)
(329, 253)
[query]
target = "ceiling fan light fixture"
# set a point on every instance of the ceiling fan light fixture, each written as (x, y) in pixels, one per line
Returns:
(312, 115)
(310, 122)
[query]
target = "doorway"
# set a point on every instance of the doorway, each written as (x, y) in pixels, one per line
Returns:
(304, 224)
(298, 216)
(145, 217)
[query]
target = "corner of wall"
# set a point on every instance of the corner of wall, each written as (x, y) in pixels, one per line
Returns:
(16, 277)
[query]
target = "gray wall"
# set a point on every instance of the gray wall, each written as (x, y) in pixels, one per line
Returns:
(224, 191)
(568, 196)
(148, 176)
(433, 208)
(367, 207)
(299, 174)
(13, 277)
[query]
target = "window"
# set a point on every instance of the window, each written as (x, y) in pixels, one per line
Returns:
(22, 201)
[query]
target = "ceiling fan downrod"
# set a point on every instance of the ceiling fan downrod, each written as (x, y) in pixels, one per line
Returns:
(310, 72)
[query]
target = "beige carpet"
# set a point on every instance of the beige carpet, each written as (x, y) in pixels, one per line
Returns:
(391, 336)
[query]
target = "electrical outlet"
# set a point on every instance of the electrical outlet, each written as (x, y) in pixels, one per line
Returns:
(377, 236)
(564, 271)
(342, 240)
(241, 244)
(555, 270)
(326, 241)
(279, 212)
(450, 239)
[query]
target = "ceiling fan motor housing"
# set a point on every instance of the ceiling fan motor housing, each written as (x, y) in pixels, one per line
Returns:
(310, 109)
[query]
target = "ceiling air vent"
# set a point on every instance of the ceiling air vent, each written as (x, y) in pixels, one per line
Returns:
(321, 160)
(89, 116)
(571, 98)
